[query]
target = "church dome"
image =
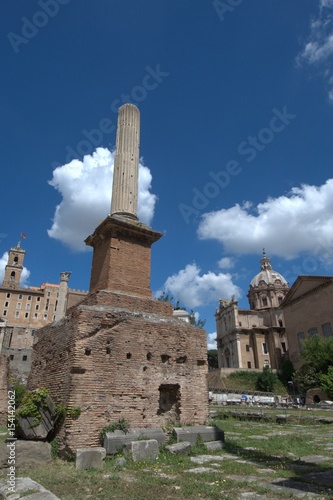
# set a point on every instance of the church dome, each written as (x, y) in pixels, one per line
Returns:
(267, 274)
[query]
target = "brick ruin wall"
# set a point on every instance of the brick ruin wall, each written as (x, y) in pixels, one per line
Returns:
(112, 362)
(112, 260)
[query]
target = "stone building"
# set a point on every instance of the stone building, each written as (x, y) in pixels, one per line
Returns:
(308, 311)
(120, 353)
(24, 310)
(255, 338)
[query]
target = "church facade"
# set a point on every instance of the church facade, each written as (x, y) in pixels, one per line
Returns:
(254, 338)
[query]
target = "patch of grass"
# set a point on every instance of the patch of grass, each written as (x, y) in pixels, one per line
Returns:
(246, 453)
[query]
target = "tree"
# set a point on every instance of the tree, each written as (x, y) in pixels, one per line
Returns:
(318, 355)
(318, 352)
(212, 359)
(266, 380)
(199, 323)
(326, 382)
(306, 377)
(165, 297)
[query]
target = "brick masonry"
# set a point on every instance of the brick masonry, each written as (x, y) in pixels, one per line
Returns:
(117, 355)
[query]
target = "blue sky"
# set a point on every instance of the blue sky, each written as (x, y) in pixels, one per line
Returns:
(236, 103)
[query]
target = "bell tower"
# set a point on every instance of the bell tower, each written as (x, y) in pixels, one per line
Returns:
(14, 267)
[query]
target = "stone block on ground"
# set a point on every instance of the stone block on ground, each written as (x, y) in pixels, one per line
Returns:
(23, 485)
(214, 445)
(116, 440)
(179, 448)
(145, 450)
(90, 458)
(192, 433)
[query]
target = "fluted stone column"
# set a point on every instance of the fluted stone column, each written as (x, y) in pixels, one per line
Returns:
(62, 299)
(126, 164)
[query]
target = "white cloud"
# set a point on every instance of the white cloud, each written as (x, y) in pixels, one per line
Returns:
(286, 226)
(25, 272)
(226, 263)
(211, 341)
(85, 187)
(195, 290)
(318, 50)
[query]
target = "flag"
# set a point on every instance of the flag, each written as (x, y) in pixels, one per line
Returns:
(23, 235)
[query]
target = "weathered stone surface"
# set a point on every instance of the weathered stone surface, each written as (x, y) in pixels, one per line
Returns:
(27, 453)
(214, 445)
(26, 428)
(90, 458)
(202, 470)
(192, 433)
(24, 484)
(120, 462)
(116, 440)
(315, 459)
(203, 459)
(146, 450)
(179, 448)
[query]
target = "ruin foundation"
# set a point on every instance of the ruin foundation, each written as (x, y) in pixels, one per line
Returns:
(121, 356)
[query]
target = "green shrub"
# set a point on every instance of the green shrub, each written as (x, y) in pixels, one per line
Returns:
(32, 403)
(75, 412)
(121, 425)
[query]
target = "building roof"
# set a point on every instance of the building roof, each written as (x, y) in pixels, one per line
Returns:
(305, 285)
(267, 273)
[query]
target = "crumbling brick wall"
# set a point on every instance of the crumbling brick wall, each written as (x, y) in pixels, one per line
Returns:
(130, 362)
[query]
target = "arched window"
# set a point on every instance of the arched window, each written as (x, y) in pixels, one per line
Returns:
(12, 275)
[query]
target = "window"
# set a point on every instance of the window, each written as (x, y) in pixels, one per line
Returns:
(35, 315)
(249, 364)
(24, 358)
(312, 331)
(37, 307)
(247, 347)
(11, 357)
(38, 299)
(48, 294)
(18, 305)
(264, 301)
(280, 299)
(240, 323)
(5, 313)
(47, 304)
(283, 347)
(26, 315)
(17, 314)
(28, 306)
(45, 316)
(29, 297)
(280, 322)
(8, 295)
(20, 296)
(327, 329)
(300, 338)
(12, 275)
(264, 348)
(33, 332)
(6, 304)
